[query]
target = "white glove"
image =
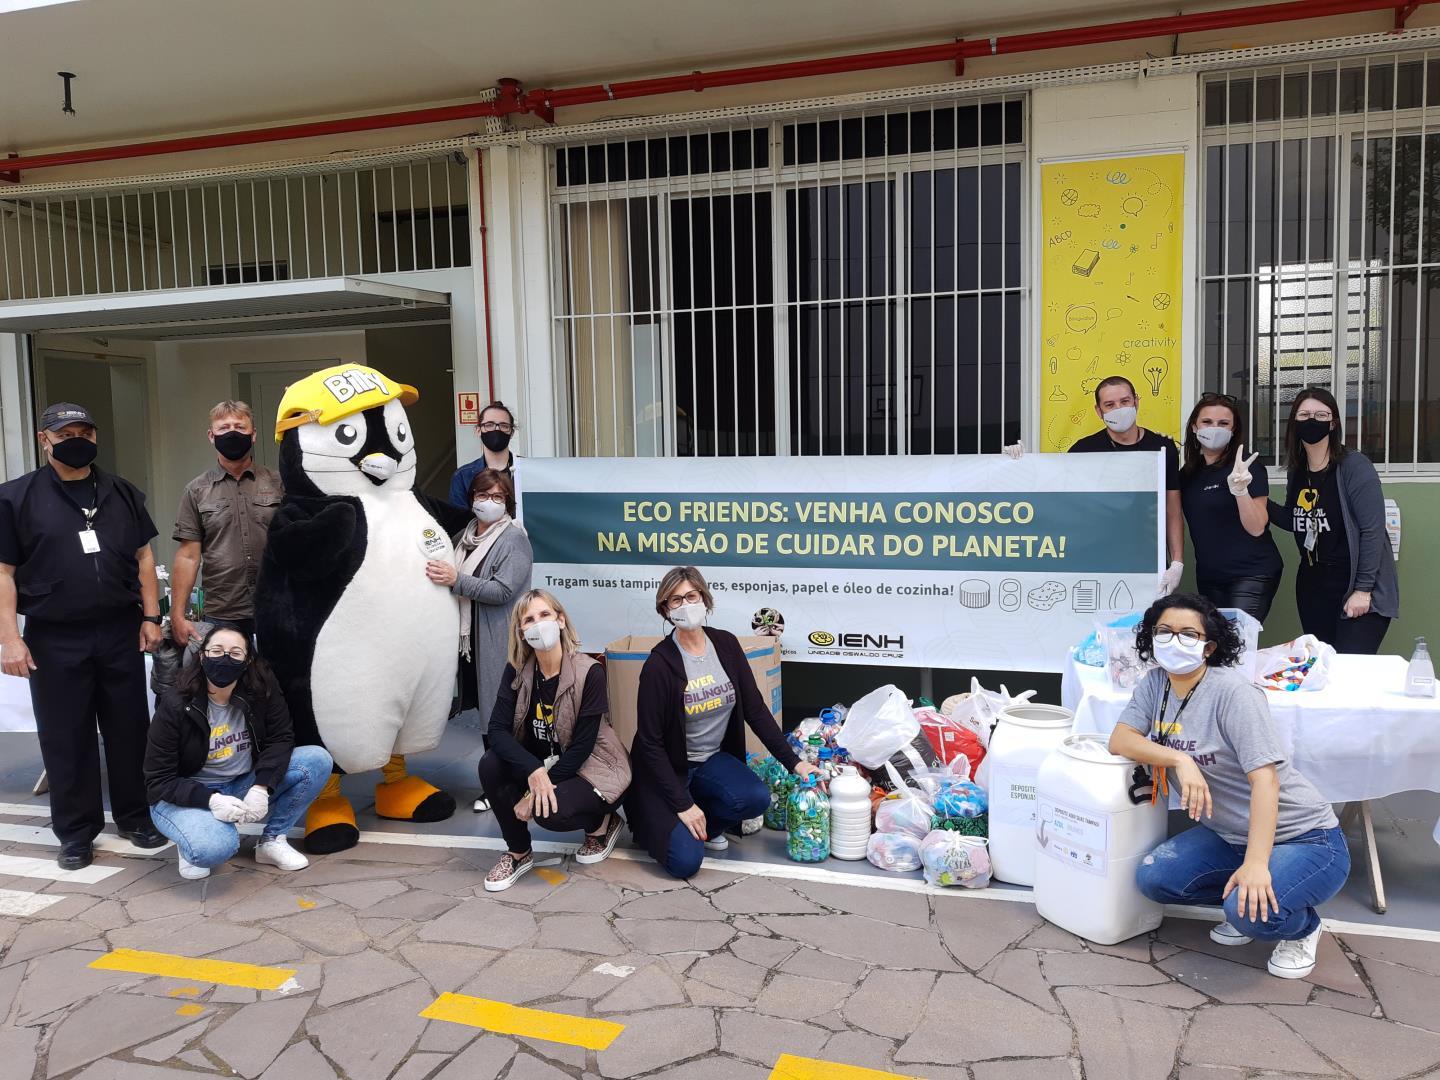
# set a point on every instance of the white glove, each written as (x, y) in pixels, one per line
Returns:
(1239, 479)
(1015, 451)
(256, 803)
(1170, 579)
(227, 808)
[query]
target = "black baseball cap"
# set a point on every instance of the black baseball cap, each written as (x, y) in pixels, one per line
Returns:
(65, 412)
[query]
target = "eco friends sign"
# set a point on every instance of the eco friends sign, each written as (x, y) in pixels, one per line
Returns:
(922, 561)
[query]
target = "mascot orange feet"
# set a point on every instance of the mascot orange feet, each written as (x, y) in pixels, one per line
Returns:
(330, 821)
(402, 797)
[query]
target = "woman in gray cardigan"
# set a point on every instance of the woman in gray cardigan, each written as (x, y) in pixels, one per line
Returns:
(491, 568)
(1346, 588)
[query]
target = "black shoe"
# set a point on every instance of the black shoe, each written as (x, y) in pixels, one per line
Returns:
(147, 836)
(75, 855)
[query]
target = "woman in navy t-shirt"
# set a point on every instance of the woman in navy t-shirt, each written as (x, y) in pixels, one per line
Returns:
(1237, 564)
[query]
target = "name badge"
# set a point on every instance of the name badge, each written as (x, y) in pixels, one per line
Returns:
(89, 542)
(550, 761)
(434, 544)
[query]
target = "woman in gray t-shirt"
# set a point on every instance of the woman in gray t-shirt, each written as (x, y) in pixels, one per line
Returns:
(1268, 848)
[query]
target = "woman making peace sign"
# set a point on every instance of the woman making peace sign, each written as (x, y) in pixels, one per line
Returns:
(1237, 564)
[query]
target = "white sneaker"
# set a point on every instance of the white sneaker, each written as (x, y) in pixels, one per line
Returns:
(1225, 934)
(1295, 959)
(189, 871)
(278, 852)
(718, 843)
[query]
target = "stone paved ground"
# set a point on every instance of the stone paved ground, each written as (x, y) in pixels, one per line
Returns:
(729, 972)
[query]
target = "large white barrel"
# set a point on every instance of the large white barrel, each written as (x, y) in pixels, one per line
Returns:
(1094, 823)
(1024, 734)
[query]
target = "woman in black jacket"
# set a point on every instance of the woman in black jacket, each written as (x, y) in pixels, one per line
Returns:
(690, 784)
(220, 749)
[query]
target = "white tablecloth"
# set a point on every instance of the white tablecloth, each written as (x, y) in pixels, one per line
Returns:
(16, 713)
(1359, 738)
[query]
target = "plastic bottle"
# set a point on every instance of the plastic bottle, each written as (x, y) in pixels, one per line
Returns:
(826, 764)
(1420, 675)
(808, 823)
(849, 814)
(781, 784)
(813, 746)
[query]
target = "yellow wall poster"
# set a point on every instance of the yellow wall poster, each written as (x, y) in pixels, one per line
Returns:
(1112, 231)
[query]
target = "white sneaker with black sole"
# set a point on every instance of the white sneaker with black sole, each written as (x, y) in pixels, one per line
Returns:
(1225, 934)
(1295, 959)
(718, 843)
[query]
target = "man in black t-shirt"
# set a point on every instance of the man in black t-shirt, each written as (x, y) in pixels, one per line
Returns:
(1117, 404)
(75, 560)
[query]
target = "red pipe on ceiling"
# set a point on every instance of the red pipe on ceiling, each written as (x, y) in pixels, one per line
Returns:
(543, 101)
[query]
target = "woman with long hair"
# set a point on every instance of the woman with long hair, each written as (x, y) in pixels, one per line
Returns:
(553, 757)
(1226, 503)
(221, 752)
(1266, 846)
(1346, 588)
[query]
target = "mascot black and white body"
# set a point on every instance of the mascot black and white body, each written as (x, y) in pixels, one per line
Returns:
(363, 643)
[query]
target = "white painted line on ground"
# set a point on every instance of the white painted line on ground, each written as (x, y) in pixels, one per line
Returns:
(14, 902)
(106, 842)
(23, 866)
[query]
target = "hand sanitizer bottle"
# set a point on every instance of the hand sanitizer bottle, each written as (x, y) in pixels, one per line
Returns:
(1420, 676)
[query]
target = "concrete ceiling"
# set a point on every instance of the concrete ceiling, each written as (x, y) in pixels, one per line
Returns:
(153, 67)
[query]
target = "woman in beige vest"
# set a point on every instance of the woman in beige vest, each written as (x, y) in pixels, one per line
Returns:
(554, 758)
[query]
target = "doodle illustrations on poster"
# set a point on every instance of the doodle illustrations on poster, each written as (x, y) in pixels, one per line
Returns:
(1111, 281)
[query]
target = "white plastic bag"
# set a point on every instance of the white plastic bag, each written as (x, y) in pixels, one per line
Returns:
(877, 726)
(1302, 664)
(980, 709)
(907, 810)
(898, 852)
(950, 858)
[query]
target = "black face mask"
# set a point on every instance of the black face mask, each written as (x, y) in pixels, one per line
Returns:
(234, 445)
(1313, 431)
(76, 453)
(495, 440)
(223, 670)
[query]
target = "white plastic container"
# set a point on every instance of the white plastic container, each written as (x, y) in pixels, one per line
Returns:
(849, 814)
(1094, 823)
(1024, 735)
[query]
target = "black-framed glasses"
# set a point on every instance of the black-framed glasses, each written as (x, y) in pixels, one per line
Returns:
(237, 652)
(497, 425)
(691, 597)
(490, 497)
(1187, 637)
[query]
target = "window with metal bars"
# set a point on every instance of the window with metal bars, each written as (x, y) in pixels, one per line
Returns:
(390, 218)
(1321, 248)
(837, 284)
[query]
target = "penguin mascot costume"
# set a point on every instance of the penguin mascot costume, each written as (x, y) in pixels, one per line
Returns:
(363, 643)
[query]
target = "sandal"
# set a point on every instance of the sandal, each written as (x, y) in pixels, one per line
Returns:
(508, 871)
(598, 848)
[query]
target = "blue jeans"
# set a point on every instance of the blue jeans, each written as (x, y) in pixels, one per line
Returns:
(727, 793)
(205, 840)
(1192, 868)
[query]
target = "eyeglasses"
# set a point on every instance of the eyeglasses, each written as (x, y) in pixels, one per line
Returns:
(215, 652)
(490, 497)
(1187, 637)
(1322, 415)
(497, 425)
(691, 597)
(1214, 396)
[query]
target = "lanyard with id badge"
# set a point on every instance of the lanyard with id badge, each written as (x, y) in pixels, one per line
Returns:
(1161, 785)
(544, 727)
(89, 538)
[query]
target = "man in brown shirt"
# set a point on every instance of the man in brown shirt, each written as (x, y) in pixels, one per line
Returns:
(222, 524)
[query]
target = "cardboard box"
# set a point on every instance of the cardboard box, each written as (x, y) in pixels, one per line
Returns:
(625, 657)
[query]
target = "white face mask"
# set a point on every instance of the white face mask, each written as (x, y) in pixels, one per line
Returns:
(1178, 658)
(689, 616)
(1120, 420)
(544, 635)
(487, 511)
(1214, 438)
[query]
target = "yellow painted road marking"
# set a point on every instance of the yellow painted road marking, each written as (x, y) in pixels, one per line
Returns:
(190, 1010)
(183, 967)
(185, 991)
(505, 1019)
(790, 1067)
(553, 877)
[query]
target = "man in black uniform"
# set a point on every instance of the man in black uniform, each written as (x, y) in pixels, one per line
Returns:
(1116, 403)
(75, 560)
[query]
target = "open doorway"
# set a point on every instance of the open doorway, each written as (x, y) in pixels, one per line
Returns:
(115, 388)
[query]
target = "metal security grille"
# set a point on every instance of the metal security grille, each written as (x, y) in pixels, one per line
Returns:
(1321, 251)
(409, 215)
(846, 283)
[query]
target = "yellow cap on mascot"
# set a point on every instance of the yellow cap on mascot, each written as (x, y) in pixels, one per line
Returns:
(337, 392)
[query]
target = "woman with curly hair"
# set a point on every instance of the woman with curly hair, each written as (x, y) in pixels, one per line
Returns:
(1268, 848)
